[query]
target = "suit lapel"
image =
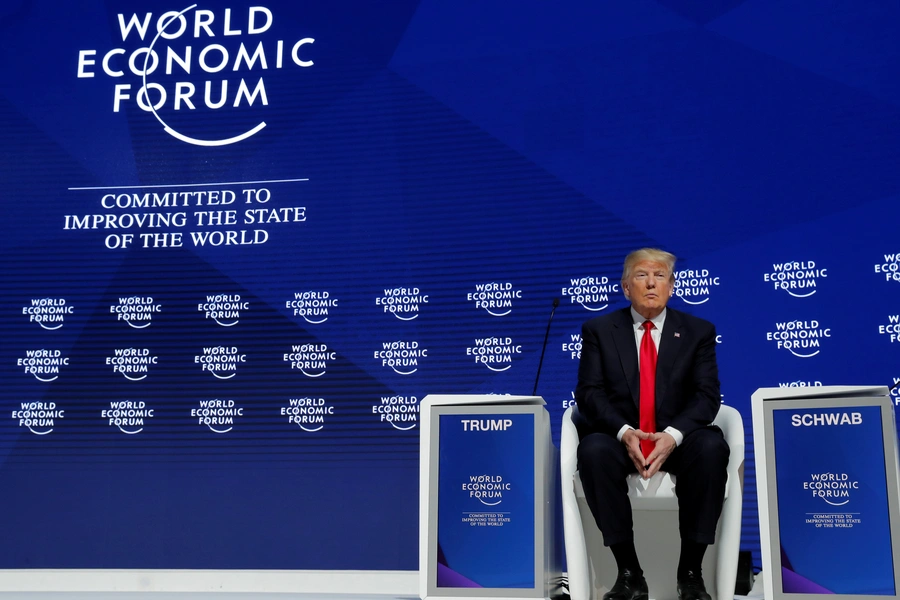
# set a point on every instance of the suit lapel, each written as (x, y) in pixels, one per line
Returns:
(623, 335)
(669, 346)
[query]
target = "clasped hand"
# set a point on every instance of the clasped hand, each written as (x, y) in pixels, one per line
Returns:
(649, 466)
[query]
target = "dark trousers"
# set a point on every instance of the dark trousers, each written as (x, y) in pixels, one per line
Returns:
(699, 465)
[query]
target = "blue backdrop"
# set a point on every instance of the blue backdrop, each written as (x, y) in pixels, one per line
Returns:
(242, 243)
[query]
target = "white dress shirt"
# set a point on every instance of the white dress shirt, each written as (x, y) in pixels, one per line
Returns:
(655, 335)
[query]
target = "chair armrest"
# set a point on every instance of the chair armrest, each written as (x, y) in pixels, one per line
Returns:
(568, 444)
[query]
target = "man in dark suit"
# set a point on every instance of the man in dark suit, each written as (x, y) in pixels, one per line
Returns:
(648, 389)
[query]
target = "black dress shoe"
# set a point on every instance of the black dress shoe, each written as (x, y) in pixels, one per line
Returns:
(691, 587)
(630, 585)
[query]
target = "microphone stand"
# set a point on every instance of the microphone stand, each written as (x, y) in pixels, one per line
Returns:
(544, 347)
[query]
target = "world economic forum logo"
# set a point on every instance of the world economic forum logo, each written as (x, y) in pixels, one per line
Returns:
(834, 488)
(218, 415)
(495, 353)
(799, 278)
(220, 361)
(402, 412)
(310, 359)
(224, 309)
(43, 364)
(693, 286)
(308, 414)
(891, 328)
(136, 311)
(132, 363)
(592, 293)
(495, 298)
(49, 313)
(401, 356)
(38, 417)
(487, 489)
(801, 338)
(127, 415)
(890, 268)
(403, 303)
(192, 67)
(312, 306)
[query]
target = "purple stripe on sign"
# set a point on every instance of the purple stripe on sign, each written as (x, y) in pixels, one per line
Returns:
(791, 583)
(447, 577)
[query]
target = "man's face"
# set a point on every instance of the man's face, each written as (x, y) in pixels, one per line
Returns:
(648, 288)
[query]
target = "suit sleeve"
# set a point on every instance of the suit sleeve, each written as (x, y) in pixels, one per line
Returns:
(703, 396)
(591, 394)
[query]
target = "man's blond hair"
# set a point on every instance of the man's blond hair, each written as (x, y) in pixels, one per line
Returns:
(651, 254)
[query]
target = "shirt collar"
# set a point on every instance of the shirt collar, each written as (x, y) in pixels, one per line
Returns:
(658, 321)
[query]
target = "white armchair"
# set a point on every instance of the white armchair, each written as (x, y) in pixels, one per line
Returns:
(591, 567)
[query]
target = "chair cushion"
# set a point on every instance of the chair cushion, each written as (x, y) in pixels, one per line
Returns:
(661, 485)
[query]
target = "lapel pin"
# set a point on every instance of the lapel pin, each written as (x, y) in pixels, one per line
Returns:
(677, 334)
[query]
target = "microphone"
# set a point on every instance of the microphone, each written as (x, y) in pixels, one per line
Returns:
(544, 347)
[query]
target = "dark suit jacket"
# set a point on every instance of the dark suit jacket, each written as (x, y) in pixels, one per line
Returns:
(687, 377)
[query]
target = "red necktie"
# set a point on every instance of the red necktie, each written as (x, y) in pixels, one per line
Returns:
(648, 387)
